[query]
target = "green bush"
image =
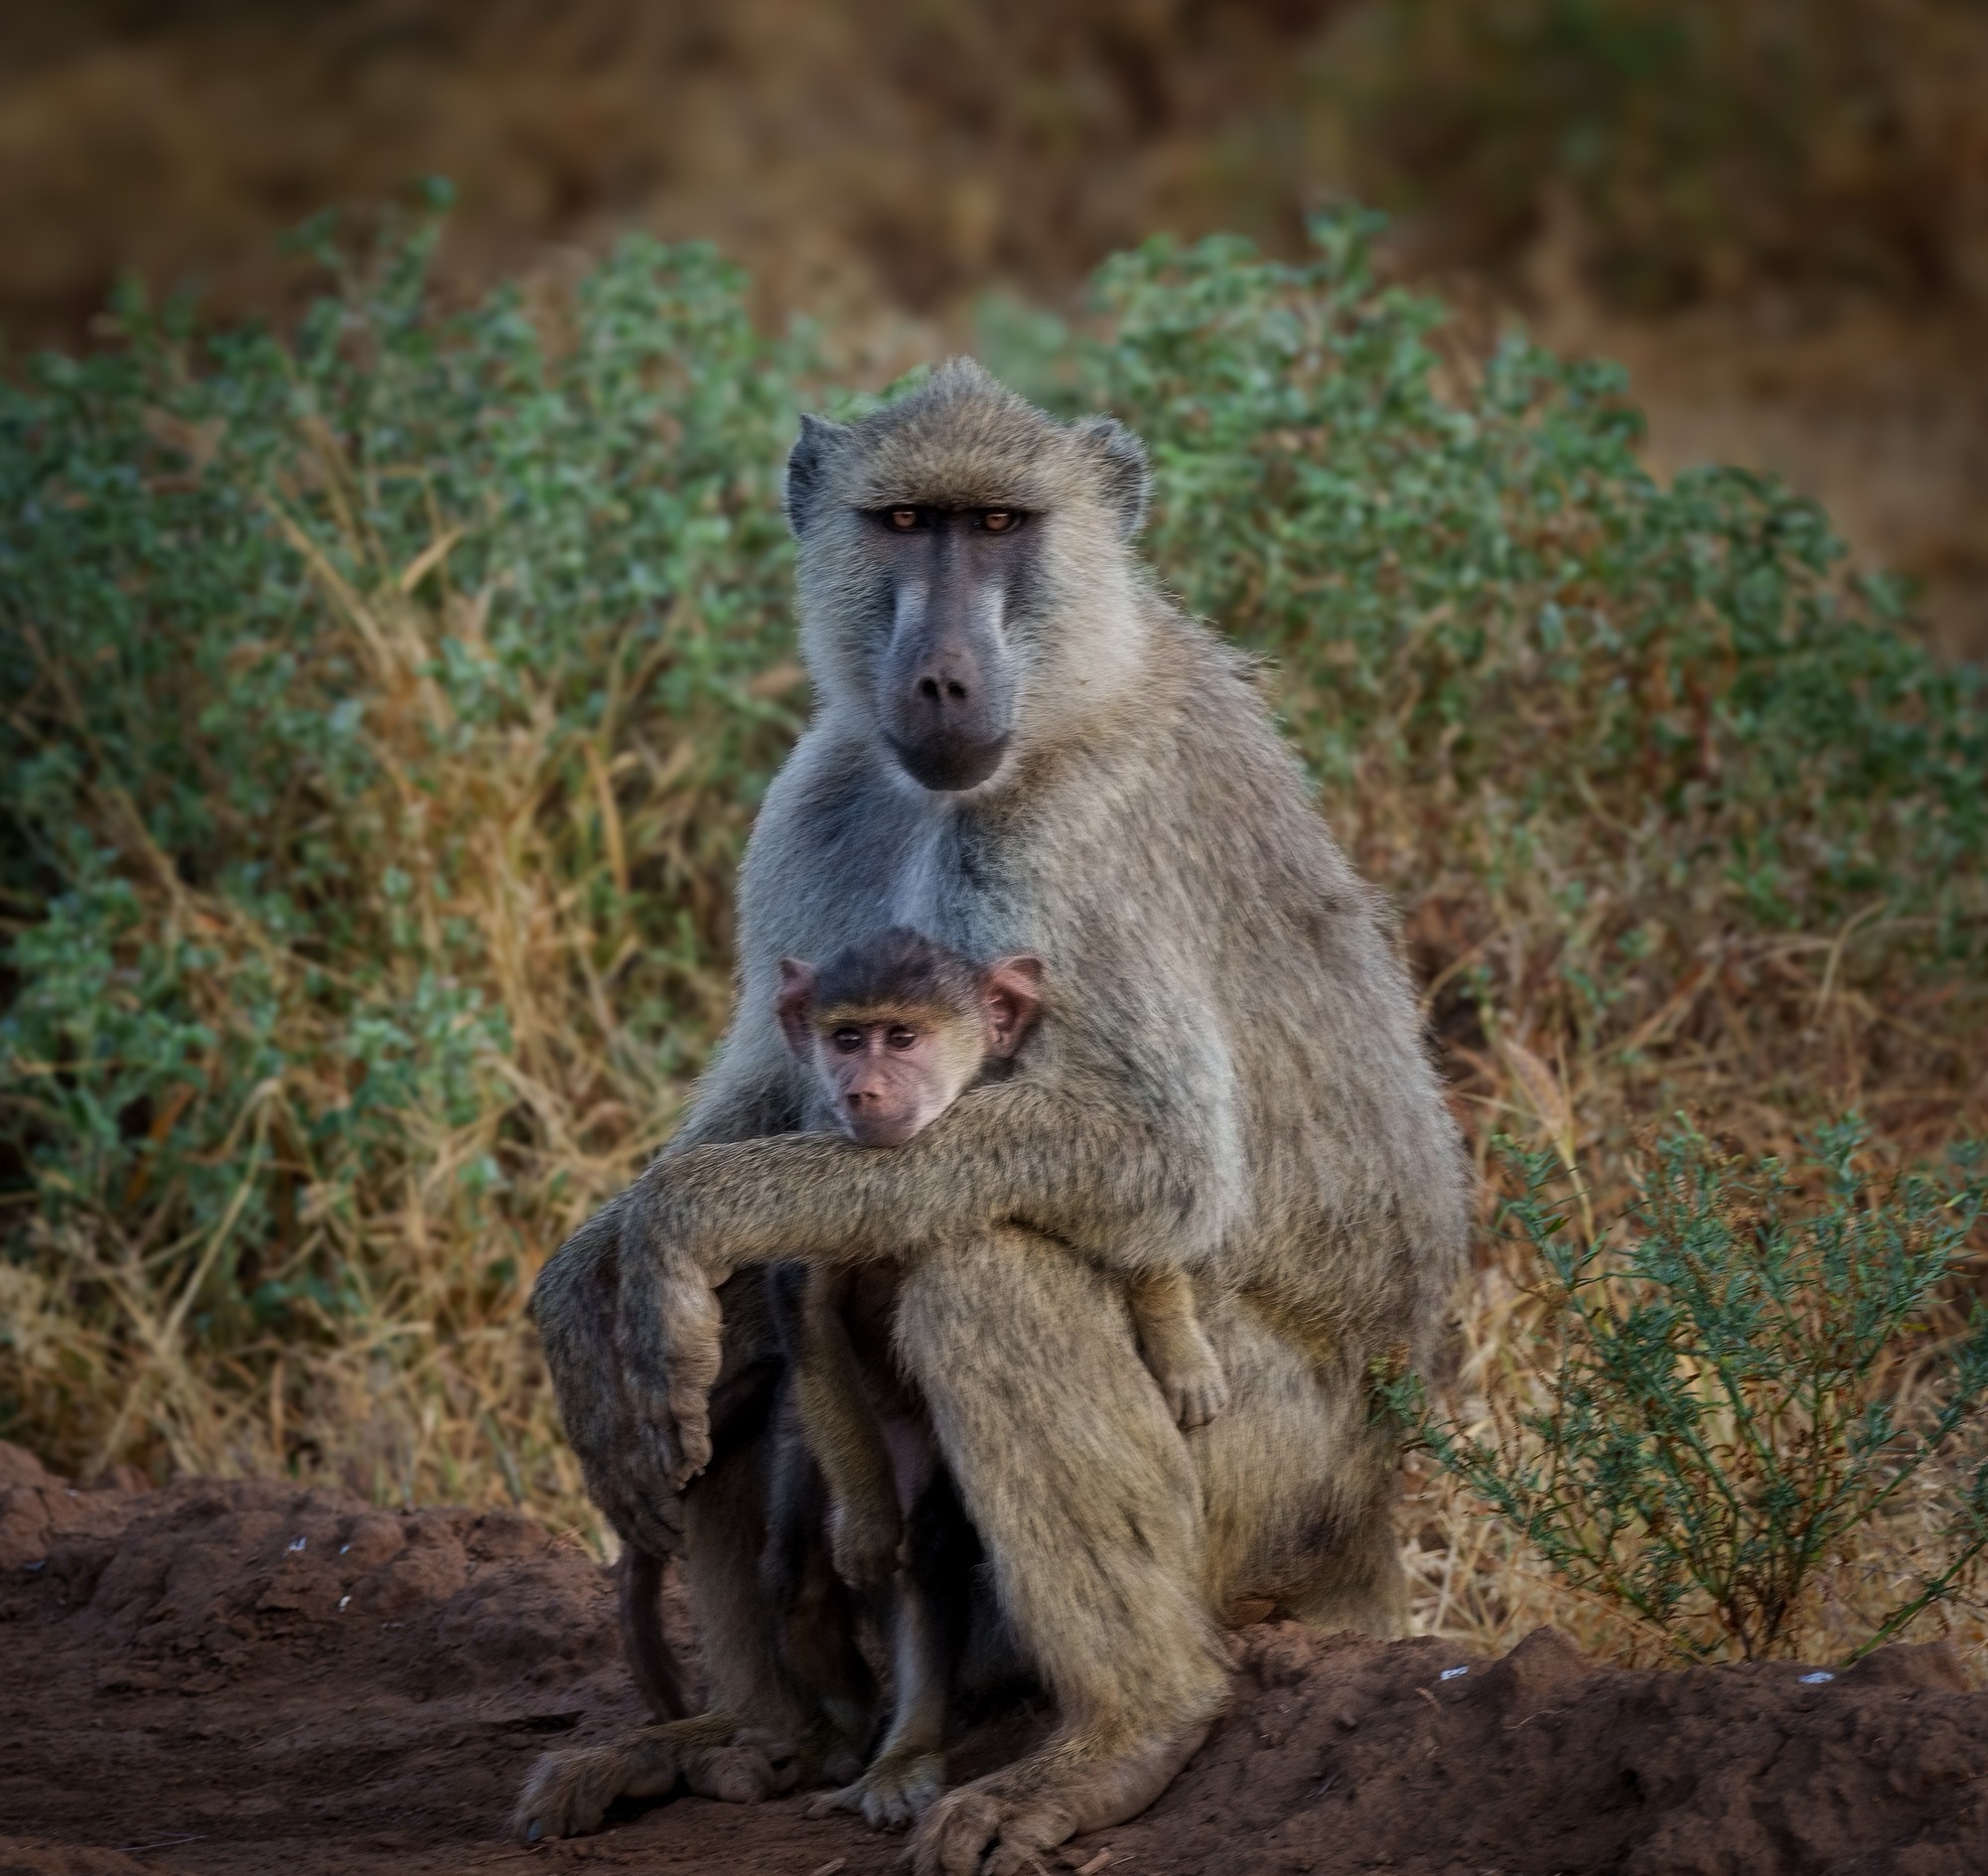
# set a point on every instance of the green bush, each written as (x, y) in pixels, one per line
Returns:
(1733, 1392)
(385, 705)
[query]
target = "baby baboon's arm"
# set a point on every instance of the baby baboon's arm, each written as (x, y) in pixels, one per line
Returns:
(865, 1526)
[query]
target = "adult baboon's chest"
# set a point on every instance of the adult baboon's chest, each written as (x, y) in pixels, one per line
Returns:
(962, 878)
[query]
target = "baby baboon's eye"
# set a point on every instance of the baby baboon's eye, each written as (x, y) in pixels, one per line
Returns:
(899, 1037)
(903, 519)
(847, 1040)
(999, 520)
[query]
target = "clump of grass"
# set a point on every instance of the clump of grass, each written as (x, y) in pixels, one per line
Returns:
(1729, 1399)
(386, 712)
(384, 707)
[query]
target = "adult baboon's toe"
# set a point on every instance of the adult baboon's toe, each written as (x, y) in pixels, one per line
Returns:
(753, 1766)
(559, 1800)
(955, 1833)
(894, 1794)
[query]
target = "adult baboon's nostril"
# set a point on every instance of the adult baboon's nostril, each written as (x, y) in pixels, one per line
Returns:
(955, 689)
(928, 687)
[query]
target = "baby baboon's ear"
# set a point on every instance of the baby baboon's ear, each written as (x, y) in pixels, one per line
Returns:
(796, 1004)
(1125, 478)
(1010, 998)
(806, 467)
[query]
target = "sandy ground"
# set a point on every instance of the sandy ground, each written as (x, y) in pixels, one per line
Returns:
(251, 1676)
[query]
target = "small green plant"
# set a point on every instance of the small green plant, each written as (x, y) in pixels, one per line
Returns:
(1736, 1390)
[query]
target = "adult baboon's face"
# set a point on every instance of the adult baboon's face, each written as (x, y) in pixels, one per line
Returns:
(965, 589)
(946, 681)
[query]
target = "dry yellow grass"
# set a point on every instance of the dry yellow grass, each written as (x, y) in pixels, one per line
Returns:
(232, 1274)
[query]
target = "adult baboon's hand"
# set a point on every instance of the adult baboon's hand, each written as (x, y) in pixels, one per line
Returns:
(669, 1331)
(632, 1346)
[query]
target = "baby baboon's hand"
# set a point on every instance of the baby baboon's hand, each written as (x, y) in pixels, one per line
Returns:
(1189, 1373)
(1197, 1396)
(863, 1542)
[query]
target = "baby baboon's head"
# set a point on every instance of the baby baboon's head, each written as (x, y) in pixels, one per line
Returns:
(896, 1027)
(966, 584)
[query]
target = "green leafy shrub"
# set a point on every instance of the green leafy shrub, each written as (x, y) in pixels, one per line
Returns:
(386, 710)
(382, 708)
(1730, 1394)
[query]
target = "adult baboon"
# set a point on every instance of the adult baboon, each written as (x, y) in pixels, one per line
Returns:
(1018, 745)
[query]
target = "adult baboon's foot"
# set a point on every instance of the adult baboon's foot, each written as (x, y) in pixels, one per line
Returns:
(1000, 1825)
(895, 1792)
(568, 1792)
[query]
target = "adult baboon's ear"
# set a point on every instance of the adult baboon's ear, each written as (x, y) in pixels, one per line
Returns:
(806, 467)
(1124, 474)
(796, 1004)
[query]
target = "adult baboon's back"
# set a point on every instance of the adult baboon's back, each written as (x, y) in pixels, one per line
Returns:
(1018, 745)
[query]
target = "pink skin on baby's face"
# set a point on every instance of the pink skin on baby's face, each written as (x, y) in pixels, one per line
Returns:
(891, 1073)
(891, 1080)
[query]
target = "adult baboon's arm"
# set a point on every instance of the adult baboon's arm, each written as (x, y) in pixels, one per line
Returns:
(1074, 1164)
(1065, 1159)
(598, 1295)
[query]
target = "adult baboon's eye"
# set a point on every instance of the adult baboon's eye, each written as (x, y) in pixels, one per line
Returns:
(847, 1040)
(899, 1037)
(903, 519)
(998, 521)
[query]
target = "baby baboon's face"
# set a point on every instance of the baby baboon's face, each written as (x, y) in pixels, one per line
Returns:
(894, 1055)
(892, 1076)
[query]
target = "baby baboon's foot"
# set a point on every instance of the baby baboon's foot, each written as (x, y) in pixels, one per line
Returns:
(568, 1792)
(752, 1766)
(895, 1791)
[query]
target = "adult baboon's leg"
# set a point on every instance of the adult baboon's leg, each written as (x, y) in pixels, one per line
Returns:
(742, 1747)
(1298, 1482)
(1082, 1489)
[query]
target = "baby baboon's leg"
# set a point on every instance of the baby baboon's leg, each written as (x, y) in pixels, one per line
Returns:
(816, 1613)
(929, 1629)
(1180, 1356)
(842, 1431)
(1082, 1489)
(738, 1750)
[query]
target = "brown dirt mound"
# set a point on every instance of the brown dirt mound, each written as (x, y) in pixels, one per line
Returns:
(254, 1677)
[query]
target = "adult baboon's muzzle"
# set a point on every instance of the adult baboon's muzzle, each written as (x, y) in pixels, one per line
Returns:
(949, 699)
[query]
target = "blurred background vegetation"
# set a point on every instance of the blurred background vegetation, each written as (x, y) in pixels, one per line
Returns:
(1776, 212)
(392, 654)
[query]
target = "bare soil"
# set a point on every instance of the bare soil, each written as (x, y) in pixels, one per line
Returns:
(256, 1676)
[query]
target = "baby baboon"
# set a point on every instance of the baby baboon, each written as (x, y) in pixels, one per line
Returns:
(1020, 744)
(893, 1030)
